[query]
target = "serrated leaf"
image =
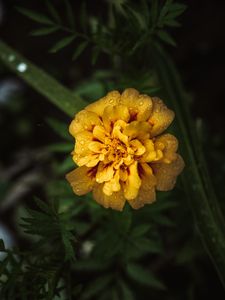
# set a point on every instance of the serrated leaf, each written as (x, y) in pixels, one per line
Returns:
(80, 49)
(62, 43)
(44, 31)
(2, 245)
(53, 11)
(69, 250)
(144, 277)
(165, 37)
(43, 206)
(38, 17)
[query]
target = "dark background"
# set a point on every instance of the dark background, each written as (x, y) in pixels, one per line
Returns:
(199, 57)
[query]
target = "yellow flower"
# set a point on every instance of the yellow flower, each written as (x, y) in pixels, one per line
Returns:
(121, 152)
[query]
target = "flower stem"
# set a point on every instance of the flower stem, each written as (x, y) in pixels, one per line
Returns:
(196, 181)
(46, 85)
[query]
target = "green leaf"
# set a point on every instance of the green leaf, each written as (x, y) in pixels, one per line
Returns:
(90, 265)
(165, 37)
(144, 277)
(53, 11)
(44, 31)
(2, 245)
(80, 49)
(43, 83)
(140, 230)
(171, 23)
(69, 250)
(60, 147)
(69, 13)
(38, 17)
(96, 286)
(43, 206)
(126, 291)
(60, 128)
(62, 43)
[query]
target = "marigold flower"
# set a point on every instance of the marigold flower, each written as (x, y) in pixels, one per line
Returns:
(121, 152)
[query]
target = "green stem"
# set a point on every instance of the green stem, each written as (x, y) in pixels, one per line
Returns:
(196, 181)
(46, 85)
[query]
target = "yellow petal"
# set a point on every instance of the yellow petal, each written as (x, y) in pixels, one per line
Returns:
(140, 106)
(166, 174)
(100, 133)
(96, 147)
(161, 117)
(116, 201)
(83, 139)
(112, 185)
(133, 182)
(150, 153)
(168, 144)
(112, 98)
(139, 149)
(146, 194)
(104, 172)
(136, 129)
(84, 120)
(114, 113)
(90, 160)
(80, 180)
(117, 131)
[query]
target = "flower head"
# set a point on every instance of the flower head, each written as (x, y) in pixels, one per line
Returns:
(121, 152)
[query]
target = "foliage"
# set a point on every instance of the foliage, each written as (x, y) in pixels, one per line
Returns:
(75, 249)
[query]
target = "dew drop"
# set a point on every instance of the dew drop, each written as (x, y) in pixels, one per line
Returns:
(141, 103)
(11, 57)
(111, 101)
(22, 67)
(82, 142)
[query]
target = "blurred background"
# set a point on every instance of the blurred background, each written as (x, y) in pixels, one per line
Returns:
(25, 133)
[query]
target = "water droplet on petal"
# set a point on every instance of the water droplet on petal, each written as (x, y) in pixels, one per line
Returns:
(82, 142)
(11, 57)
(141, 103)
(22, 67)
(111, 101)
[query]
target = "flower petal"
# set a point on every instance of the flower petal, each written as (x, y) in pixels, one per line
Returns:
(104, 172)
(112, 98)
(168, 144)
(84, 120)
(166, 174)
(133, 183)
(161, 117)
(115, 201)
(139, 149)
(83, 139)
(114, 113)
(138, 130)
(140, 106)
(99, 133)
(80, 180)
(146, 192)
